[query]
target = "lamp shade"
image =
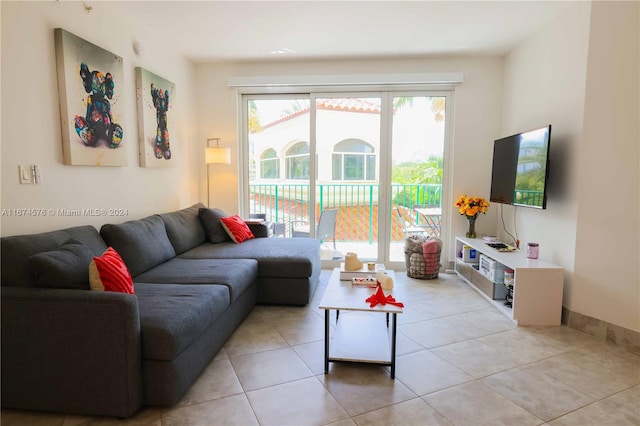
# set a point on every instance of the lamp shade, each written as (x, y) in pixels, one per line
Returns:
(218, 155)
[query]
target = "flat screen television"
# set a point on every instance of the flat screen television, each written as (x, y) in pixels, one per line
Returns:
(520, 169)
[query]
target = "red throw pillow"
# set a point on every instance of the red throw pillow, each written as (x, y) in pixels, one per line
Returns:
(236, 228)
(109, 273)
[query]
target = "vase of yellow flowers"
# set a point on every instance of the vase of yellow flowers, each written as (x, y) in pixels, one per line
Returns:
(471, 207)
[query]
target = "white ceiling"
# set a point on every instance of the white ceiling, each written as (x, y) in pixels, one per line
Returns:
(213, 31)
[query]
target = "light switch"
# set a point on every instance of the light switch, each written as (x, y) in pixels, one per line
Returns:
(35, 174)
(24, 174)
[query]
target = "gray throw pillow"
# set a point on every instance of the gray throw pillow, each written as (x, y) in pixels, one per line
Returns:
(65, 267)
(210, 219)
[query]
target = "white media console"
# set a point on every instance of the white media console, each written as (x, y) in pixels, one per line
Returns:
(537, 291)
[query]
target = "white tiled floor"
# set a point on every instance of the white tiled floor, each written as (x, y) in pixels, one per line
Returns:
(460, 362)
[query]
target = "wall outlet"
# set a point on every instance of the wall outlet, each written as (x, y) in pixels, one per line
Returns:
(24, 174)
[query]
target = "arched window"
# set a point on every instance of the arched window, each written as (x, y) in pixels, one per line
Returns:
(297, 160)
(353, 159)
(269, 164)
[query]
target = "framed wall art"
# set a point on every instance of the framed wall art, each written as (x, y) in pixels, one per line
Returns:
(90, 84)
(155, 96)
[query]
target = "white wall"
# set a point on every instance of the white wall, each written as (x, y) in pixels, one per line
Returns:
(476, 117)
(606, 281)
(544, 84)
(580, 73)
(31, 120)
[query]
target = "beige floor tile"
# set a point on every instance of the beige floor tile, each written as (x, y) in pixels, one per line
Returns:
(268, 368)
(147, 416)
(20, 418)
(303, 402)
(599, 370)
(477, 404)
(218, 380)
(410, 314)
(360, 388)
(301, 331)
(414, 412)
(498, 352)
(445, 304)
(621, 409)
(222, 354)
(232, 410)
(435, 332)
(344, 422)
(457, 328)
(313, 355)
(537, 393)
(406, 345)
(423, 372)
(253, 337)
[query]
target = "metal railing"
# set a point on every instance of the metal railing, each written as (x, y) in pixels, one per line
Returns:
(357, 205)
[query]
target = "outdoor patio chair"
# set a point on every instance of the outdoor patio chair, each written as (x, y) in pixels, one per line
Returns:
(408, 229)
(325, 230)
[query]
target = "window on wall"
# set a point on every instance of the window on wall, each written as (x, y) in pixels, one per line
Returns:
(353, 159)
(297, 161)
(269, 165)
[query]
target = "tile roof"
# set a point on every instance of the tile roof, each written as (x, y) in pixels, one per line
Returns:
(335, 104)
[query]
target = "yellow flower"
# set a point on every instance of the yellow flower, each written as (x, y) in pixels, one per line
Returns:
(471, 206)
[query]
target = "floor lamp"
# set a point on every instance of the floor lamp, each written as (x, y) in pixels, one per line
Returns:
(215, 155)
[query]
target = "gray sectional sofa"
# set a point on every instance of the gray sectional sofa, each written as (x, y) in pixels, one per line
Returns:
(69, 349)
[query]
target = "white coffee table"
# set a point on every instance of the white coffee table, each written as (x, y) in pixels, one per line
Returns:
(359, 338)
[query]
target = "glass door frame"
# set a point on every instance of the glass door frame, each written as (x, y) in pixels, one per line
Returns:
(386, 95)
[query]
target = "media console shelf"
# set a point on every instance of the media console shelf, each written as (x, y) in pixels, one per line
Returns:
(537, 291)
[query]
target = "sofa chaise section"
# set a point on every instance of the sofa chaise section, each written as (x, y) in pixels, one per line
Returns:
(288, 268)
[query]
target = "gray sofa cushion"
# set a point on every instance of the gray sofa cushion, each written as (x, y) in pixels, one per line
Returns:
(277, 257)
(65, 267)
(172, 316)
(184, 228)
(142, 244)
(236, 274)
(210, 219)
(16, 251)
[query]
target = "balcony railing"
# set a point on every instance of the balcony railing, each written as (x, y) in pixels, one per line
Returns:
(357, 206)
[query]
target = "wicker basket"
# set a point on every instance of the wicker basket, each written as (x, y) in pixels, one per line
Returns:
(422, 266)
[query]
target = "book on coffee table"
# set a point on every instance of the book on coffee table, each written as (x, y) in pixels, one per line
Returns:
(360, 273)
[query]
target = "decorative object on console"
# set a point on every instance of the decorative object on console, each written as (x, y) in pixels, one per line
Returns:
(532, 250)
(90, 81)
(153, 94)
(215, 155)
(471, 207)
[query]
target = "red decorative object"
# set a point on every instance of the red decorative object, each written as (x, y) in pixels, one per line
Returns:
(236, 228)
(109, 273)
(378, 298)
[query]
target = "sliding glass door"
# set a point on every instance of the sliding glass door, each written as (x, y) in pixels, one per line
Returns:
(375, 157)
(417, 167)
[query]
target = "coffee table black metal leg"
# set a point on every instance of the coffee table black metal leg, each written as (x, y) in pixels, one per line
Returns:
(393, 347)
(326, 341)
